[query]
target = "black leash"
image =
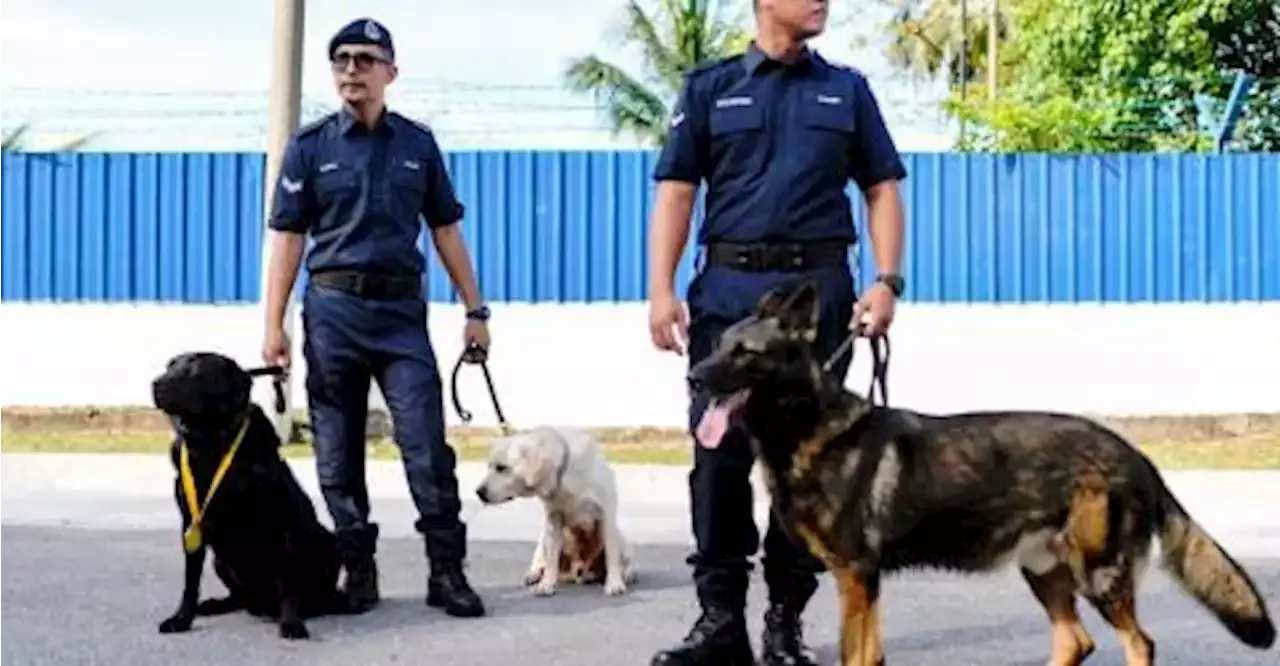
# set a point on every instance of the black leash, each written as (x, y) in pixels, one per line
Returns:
(476, 355)
(277, 375)
(879, 361)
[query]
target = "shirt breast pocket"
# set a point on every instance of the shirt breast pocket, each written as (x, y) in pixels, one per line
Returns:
(408, 189)
(830, 129)
(736, 133)
(336, 187)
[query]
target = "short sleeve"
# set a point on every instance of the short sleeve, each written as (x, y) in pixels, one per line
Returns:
(291, 206)
(683, 155)
(440, 205)
(874, 157)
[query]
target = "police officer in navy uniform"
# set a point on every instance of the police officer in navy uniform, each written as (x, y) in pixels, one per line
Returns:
(776, 133)
(360, 182)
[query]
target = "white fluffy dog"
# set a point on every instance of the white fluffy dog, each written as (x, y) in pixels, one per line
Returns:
(567, 472)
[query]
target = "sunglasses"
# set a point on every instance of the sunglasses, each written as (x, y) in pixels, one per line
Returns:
(362, 60)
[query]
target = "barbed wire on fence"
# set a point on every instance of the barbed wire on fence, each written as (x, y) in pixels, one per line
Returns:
(464, 113)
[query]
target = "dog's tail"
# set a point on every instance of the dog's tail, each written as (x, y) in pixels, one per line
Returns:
(1205, 571)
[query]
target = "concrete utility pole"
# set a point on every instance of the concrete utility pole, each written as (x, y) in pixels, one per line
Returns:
(964, 59)
(282, 111)
(993, 49)
(964, 50)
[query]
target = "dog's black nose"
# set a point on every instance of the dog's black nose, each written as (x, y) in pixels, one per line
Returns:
(695, 384)
(483, 493)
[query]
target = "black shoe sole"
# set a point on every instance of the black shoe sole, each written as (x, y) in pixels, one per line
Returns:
(776, 660)
(750, 661)
(455, 611)
(359, 605)
(742, 657)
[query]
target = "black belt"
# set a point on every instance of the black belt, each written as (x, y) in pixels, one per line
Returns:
(370, 285)
(765, 257)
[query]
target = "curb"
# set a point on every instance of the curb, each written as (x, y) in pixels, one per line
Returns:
(134, 491)
(1245, 496)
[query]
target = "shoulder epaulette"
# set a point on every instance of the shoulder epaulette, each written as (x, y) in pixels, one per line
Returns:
(711, 65)
(314, 126)
(421, 127)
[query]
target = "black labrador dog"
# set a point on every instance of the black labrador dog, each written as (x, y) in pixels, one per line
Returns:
(275, 558)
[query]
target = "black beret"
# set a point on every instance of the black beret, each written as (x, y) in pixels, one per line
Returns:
(363, 31)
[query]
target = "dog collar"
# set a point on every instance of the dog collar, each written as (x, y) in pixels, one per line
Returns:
(193, 536)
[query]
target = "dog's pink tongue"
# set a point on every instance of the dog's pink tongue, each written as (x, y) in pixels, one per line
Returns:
(713, 425)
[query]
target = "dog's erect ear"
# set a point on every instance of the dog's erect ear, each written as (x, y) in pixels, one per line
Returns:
(800, 312)
(772, 303)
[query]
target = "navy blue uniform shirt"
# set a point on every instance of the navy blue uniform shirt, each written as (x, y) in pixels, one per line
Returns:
(777, 145)
(359, 192)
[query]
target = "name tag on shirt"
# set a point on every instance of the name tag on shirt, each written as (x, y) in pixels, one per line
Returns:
(830, 100)
(728, 102)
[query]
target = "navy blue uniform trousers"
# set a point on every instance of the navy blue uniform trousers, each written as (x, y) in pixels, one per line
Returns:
(724, 526)
(348, 342)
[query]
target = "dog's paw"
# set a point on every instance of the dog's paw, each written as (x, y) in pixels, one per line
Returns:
(533, 575)
(176, 624)
(545, 588)
(615, 587)
(294, 630)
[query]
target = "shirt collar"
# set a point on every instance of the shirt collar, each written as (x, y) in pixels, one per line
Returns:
(756, 58)
(348, 123)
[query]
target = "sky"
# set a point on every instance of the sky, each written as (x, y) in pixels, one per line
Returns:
(159, 73)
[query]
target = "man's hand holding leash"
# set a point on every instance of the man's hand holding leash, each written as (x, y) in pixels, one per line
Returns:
(275, 347)
(476, 333)
(874, 310)
(668, 323)
(875, 307)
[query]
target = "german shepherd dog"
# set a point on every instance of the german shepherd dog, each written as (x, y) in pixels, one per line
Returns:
(872, 490)
(275, 558)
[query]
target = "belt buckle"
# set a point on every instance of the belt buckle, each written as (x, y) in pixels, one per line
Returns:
(358, 283)
(795, 256)
(789, 256)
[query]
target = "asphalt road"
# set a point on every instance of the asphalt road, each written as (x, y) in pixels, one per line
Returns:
(95, 596)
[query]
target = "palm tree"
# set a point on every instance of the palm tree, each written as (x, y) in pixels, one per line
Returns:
(12, 142)
(678, 35)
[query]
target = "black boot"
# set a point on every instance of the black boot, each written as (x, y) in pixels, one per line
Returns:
(782, 643)
(361, 584)
(448, 588)
(718, 638)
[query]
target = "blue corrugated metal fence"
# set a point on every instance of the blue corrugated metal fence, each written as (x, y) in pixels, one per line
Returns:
(571, 226)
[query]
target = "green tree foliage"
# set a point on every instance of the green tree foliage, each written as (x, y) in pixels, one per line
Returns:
(1254, 47)
(1124, 75)
(672, 39)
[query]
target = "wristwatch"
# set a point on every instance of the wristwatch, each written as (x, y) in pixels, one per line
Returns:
(479, 314)
(896, 283)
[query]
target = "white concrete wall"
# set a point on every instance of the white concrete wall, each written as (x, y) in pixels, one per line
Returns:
(593, 365)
